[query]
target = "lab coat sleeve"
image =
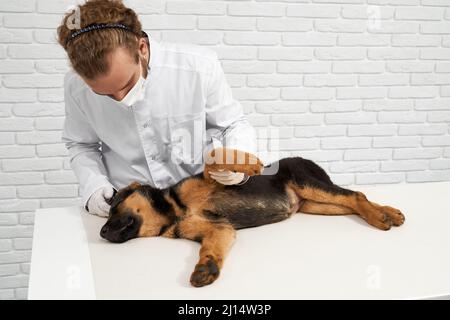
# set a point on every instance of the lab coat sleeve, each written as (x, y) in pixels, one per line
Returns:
(225, 114)
(83, 146)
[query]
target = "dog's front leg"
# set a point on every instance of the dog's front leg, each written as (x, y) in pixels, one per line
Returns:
(216, 239)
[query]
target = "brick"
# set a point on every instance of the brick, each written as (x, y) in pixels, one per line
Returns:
(431, 176)
(364, 40)
(368, 154)
(396, 27)
(345, 143)
(226, 23)
(379, 178)
(401, 117)
(21, 178)
(51, 95)
(412, 92)
(13, 151)
(52, 150)
(7, 193)
(17, 95)
(52, 191)
(6, 138)
(283, 53)
(10, 165)
(413, 40)
(432, 141)
(320, 80)
(361, 93)
(435, 28)
(409, 66)
(203, 37)
(39, 137)
(23, 244)
(432, 104)
(443, 66)
(237, 53)
(276, 107)
(303, 67)
(283, 24)
(36, 51)
(320, 131)
(256, 93)
(312, 11)
(280, 80)
(372, 130)
(340, 53)
(435, 53)
(60, 177)
(15, 36)
(383, 80)
(307, 93)
(393, 142)
(392, 53)
(418, 13)
(340, 26)
(54, 123)
(256, 9)
(251, 38)
(421, 129)
(298, 144)
(248, 67)
(354, 166)
(309, 39)
(17, 231)
(16, 124)
(367, 12)
(14, 281)
(17, 6)
(415, 153)
(440, 164)
(38, 109)
(439, 116)
(296, 120)
(164, 22)
(8, 269)
(358, 67)
(335, 106)
(26, 218)
(430, 79)
(196, 7)
(15, 66)
(349, 118)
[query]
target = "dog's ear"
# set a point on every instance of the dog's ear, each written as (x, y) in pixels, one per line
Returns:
(134, 185)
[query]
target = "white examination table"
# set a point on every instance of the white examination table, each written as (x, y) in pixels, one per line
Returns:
(305, 257)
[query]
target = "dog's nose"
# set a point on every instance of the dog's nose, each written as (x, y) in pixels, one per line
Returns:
(104, 231)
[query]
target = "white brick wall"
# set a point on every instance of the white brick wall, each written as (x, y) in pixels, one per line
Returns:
(360, 86)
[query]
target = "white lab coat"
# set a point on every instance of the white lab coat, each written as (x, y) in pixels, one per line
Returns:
(187, 110)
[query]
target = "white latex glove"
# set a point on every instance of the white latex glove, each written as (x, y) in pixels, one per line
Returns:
(97, 202)
(228, 177)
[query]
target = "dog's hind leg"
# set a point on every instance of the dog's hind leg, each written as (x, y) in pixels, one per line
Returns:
(382, 217)
(216, 239)
(313, 207)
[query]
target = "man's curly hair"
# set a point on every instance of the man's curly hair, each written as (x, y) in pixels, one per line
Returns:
(88, 52)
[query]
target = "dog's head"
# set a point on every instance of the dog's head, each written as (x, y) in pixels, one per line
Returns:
(137, 211)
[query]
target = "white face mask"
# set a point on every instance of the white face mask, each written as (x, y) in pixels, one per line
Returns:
(136, 93)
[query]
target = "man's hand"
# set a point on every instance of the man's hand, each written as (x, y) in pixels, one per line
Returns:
(227, 177)
(97, 203)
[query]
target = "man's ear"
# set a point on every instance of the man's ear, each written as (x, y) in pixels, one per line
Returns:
(143, 48)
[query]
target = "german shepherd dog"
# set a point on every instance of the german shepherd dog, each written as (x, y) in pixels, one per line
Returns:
(200, 209)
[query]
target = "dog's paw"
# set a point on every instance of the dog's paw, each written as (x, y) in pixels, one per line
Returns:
(232, 160)
(205, 273)
(395, 215)
(386, 217)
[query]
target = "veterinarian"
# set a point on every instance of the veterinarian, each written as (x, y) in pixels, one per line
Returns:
(142, 110)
